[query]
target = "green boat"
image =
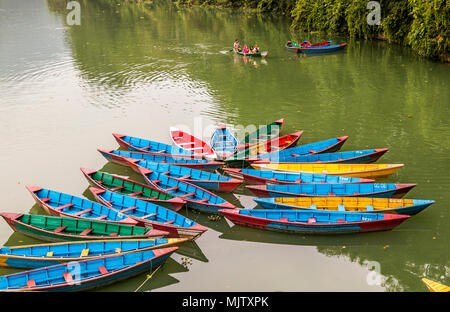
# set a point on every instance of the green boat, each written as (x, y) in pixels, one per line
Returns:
(264, 133)
(61, 229)
(256, 54)
(131, 188)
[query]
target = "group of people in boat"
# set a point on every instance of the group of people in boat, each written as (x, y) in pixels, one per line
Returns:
(245, 49)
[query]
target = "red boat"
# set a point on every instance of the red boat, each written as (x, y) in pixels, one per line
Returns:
(189, 142)
(291, 46)
(267, 146)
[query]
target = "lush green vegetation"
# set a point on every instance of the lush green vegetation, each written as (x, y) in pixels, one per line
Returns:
(421, 24)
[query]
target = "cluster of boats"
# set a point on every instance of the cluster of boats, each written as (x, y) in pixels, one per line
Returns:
(303, 47)
(133, 227)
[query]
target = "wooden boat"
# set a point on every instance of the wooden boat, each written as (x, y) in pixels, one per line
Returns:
(323, 49)
(203, 179)
(347, 170)
(292, 46)
(147, 146)
(317, 222)
(279, 177)
(196, 197)
(189, 142)
(65, 205)
(347, 204)
(435, 286)
(255, 54)
(150, 215)
(86, 274)
(42, 255)
(332, 189)
(264, 133)
(131, 188)
(223, 142)
(118, 157)
(263, 147)
(349, 157)
(60, 229)
(329, 146)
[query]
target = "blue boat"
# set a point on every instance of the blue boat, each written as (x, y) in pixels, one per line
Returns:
(346, 204)
(86, 274)
(329, 146)
(119, 157)
(147, 146)
(223, 142)
(280, 177)
(150, 215)
(332, 189)
(323, 49)
(317, 222)
(65, 205)
(349, 157)
(203, 179)
(43, 255)
(196, 197)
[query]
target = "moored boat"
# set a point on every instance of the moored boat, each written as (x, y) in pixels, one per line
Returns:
(86, 274)
(264, 133)
(349, 157)
(60, 229)
(435, 286)
(347, 204)
(42, 255)
(203, 179)
(323, 49)
(119, 157)
(279, 177)
(318, 222)
(189, 142)
(328, 146)
(66, 205)
(147, 146)
(292, 46)
(131, 188)
(196, 197)
(348, 170)
(223, 142)
(149, 214)
(332, 189)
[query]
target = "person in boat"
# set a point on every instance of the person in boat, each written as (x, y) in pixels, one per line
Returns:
(306, 44)
(289, 43)
(237, 46)
(255, 49)
(250, 50)
(245, 50)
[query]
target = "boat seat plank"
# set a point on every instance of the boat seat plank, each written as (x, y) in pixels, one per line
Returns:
(312, 220)
(101, 217)
(128, 209)
(60, 229)
(203, 200)
(49, 254)
(284, 219)
(172, 188)
(118, 250)
(187, 194)
(45, 199)
(135, 193)
(82, 212)
(103, 270)
(114, 234)
(86, 232)
(162, 151)
(84, 252)
(31, 283)
(166, 172)
(185, 177)
(64, 206)
(369, 208)
(117, 188)
(149, 215)
(313, 207)
(341, 207)
(168, 222)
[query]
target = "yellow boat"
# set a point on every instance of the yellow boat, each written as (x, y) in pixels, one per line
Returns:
(435, 286)
(347, 204)
(348, 170)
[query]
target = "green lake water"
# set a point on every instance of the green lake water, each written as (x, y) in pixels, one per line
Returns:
(138, 70)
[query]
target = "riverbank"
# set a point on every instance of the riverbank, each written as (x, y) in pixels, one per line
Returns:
(421, 25)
